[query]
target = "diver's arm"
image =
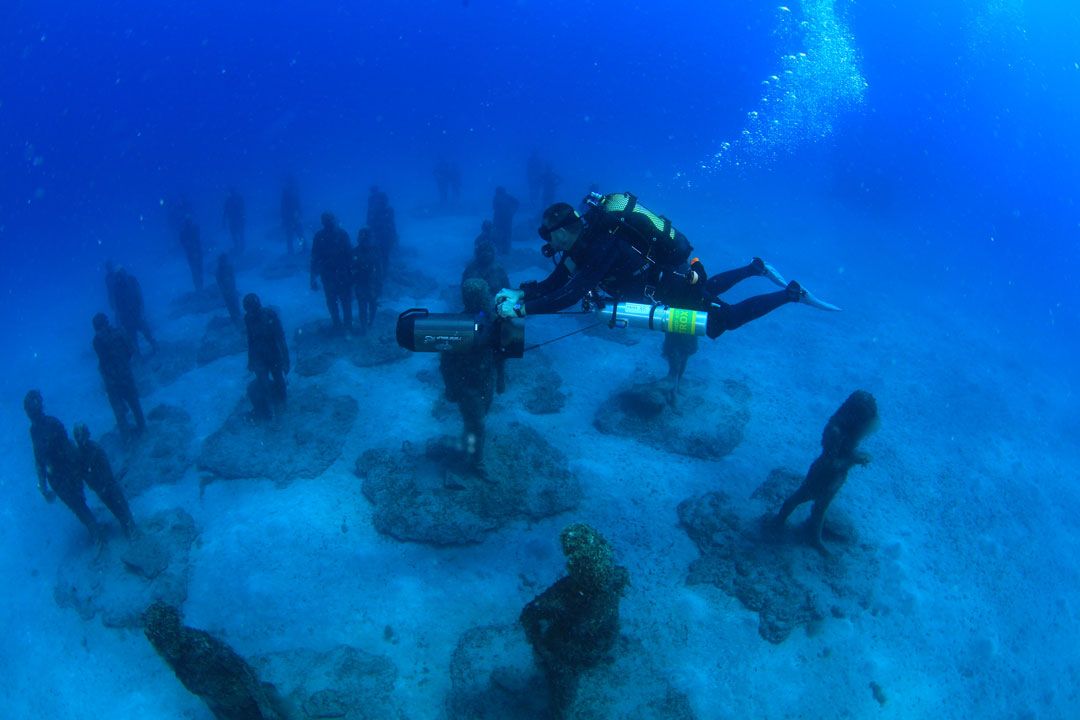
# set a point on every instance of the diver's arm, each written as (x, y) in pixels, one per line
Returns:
(558, 277)
(579, 275)
(569, 294)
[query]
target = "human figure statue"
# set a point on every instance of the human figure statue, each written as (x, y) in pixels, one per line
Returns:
(485, 267)
(469, 375)
(126, 298)
(191, 241)
(573, 625)
(331, 261)
(444, 173)
(367, 278)
(234, 218)
(114, 354)
(225, 276)
(549, 185)
(292, 224)
(676, 349)
(856, 418)
(486, 235)
(503, 206)
(97, 473)
(57, 464)
(383, 226)
(268, 359)
(209, 668)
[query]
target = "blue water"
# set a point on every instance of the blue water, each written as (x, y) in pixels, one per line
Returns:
(917, 163)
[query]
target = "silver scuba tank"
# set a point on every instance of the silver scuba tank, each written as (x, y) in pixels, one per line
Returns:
(677, 321)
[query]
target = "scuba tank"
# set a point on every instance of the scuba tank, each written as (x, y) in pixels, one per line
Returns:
(677, 321)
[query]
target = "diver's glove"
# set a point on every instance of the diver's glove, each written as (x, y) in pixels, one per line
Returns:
(510, 303)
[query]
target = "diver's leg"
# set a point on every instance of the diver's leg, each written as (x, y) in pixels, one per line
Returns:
(723, 317)
(722, 282)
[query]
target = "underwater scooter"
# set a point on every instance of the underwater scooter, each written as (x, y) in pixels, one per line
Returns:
(421, 331)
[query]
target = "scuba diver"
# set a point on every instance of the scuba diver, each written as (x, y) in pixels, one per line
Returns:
(621, 251)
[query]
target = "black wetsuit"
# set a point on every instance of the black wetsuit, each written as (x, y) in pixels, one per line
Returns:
(610, 256)
(114, 353)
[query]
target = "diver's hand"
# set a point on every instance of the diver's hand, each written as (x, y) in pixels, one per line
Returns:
(48, 494)
(510, 303)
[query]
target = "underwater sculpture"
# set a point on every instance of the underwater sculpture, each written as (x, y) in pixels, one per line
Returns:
(56, 463)
(268, 358)
(573, 625)
(114, 351)
(331, 260)
(209, 668)
(366, 272)
(98, 475)
(856, 418)
(470, 376)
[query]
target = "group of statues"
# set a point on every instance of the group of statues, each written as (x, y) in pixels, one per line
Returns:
(571, 626)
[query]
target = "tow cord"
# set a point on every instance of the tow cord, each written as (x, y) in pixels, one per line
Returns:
(573, 332)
